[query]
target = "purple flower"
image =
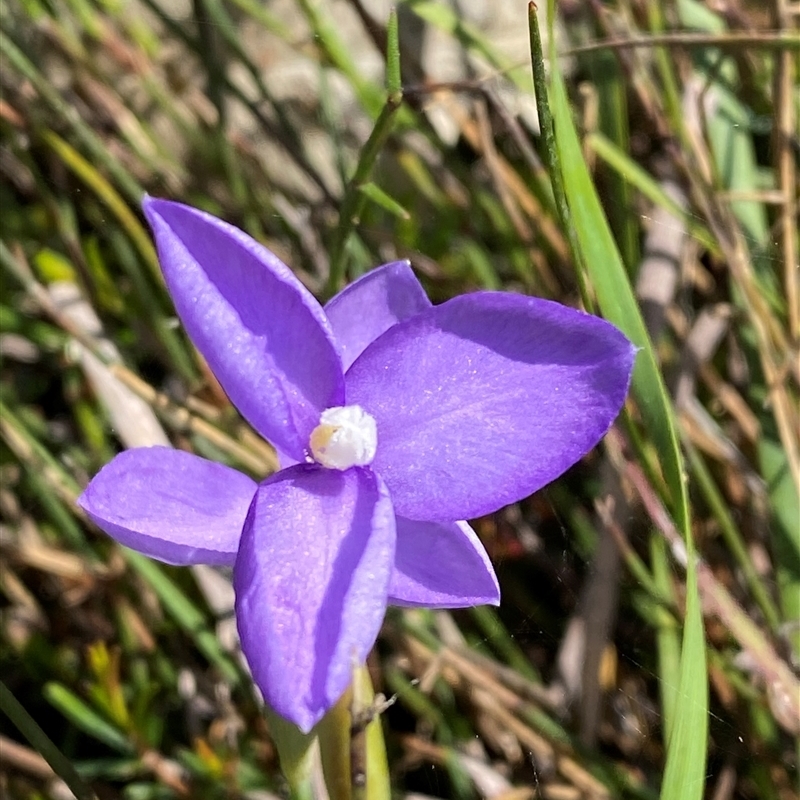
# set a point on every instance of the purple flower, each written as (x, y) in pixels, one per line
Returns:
(394, 420)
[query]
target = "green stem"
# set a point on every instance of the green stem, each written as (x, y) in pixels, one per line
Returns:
(354, 198)
(352, 746)
(297, 755)
(551, 157)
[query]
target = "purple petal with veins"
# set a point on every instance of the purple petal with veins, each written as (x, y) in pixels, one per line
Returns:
(368, 307)
(486, 398)
(171, 505)
(441, 565)
(311, 583)
(264, 336)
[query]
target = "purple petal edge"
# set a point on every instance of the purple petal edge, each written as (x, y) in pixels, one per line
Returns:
(264, 336)
(311, 578)
(371, 305)
(441, 565)
(170, 505)
(486, 398)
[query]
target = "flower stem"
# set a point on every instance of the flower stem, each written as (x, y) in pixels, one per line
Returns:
(550, 151)
(296, 753)
(354, 196)
(351, 744)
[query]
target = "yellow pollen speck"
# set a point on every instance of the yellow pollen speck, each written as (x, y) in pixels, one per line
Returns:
(345, 437)
(321, 437)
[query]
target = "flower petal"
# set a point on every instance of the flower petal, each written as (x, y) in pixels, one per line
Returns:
(265, 337)
(486, 398)
(441, 565)
(171, 505)
(311, 579)
(366, 308)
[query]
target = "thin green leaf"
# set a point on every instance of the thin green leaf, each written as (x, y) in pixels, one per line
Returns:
(86, 718)
(354, 196)
(684, 775)
(686, 748)
(785, 506)
(443, 16)
(634, 174)
(393, 80)
(88, 173)
(89, 140)
(340, 55)
(39, 740)
(374, 192)
(615, 295)
(613, 121)
(183, 611)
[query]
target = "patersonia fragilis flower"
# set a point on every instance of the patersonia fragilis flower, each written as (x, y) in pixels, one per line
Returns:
(394, 421)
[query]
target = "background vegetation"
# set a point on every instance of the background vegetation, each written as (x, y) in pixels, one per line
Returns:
(260, 112)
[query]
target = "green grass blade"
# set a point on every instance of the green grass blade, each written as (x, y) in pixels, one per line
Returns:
(634, 174)
(62, 111)
(184, 613)
(374, 193)
(329, 40)
(686, 747)
(110, 197)
(615, 297)
(684, 776)
(39, 740)
(448, 19)
(612, 120)
(86, 718)
(785, 506)
(355, 195)
(598, 254)
(668, 643)
(394, 83)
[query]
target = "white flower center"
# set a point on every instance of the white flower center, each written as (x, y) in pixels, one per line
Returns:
(346, 437)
